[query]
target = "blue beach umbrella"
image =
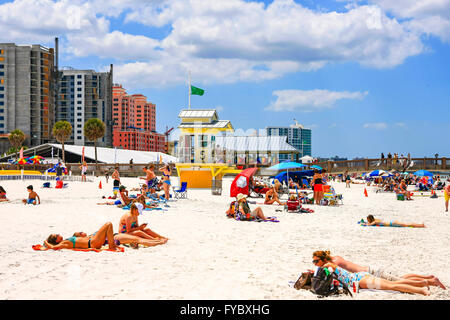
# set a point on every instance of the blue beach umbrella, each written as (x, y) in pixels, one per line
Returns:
(316, 167)
(422, 173)
(380, 173)
(286, 165)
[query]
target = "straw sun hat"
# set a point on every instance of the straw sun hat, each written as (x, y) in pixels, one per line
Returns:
(240, 196)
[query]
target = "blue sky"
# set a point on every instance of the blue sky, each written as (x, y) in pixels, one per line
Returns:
(366, 76)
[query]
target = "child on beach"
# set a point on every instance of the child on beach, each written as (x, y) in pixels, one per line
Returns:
(3, 195)
(32, 195)
(83, 169)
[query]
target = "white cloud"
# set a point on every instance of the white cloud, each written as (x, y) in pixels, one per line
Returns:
(310, 100)
(222, 41)
(376, 125)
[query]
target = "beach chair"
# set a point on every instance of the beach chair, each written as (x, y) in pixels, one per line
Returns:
(182, 192)
(332, 198)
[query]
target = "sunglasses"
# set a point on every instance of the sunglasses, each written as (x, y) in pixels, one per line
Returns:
(315, 261)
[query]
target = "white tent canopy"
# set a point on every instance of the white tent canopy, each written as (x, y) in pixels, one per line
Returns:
(112, 155)
(307, 159)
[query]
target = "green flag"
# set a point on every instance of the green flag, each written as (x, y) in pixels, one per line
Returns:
(197, 91)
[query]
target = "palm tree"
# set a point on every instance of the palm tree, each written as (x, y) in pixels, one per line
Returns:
(16, 138)
(93, 130)
(62, 131)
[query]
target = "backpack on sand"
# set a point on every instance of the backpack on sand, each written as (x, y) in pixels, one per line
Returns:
(325, 283)
(304, 281)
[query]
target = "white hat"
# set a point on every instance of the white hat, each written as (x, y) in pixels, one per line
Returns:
(240, 196)
(140, 207)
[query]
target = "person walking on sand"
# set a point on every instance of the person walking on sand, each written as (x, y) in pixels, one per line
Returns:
(116, 179)
(348, 179)
(83, 169)
(32, 196)
(447, 196)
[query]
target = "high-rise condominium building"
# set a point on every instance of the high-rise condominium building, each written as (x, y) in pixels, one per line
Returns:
(297, 136)
(82, 95)
(135, 122)
(27, 91)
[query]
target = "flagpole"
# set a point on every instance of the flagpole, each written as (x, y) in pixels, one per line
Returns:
(189, 89)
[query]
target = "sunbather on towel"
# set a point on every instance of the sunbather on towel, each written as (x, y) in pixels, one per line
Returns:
(56, 241)
(124, 238)
(244, 209)
(412, 279)
(123, 200)
(365, 280)
(129, 224)
(393, 223)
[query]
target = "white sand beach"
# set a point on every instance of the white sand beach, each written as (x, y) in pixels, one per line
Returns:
(209, 256)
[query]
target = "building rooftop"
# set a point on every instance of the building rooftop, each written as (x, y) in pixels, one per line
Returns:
(255, 144)
(216, 124)
(206, 113)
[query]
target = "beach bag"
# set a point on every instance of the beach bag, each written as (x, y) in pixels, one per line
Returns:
(231, 210)
(325, 283)
(304, 281)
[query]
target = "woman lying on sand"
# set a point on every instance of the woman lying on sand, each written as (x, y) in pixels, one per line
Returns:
(411, 279)
(124, 238)
(3, 195)
(365, 280)
(96, 241)
(129, 224)
(376, 222)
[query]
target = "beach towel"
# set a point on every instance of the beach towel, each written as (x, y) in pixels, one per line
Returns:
(146, 209)
(269, 219)
(39, 247)
(365, 224)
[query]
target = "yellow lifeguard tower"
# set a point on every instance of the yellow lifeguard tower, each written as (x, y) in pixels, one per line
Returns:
(198, 131)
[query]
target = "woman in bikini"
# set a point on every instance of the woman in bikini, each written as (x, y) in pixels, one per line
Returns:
(56, 241)
(166, 180)
(410, 278)
(129, 224)
(393, 223)
(318, 186)
(272, 197)
(365, 280)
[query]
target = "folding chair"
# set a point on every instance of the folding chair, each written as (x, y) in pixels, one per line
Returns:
(182, 192)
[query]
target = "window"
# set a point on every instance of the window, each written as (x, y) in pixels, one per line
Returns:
(2, 118)
(2, 103)
(79, 76)
(2, 125)
(79, 138)
(79, 131)
(79, 95)
(2, 66)
(2, 89)
(1, 110)
(78, 89)
(79, 83)
(78, 102)
(2, 73)
(2, 95)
